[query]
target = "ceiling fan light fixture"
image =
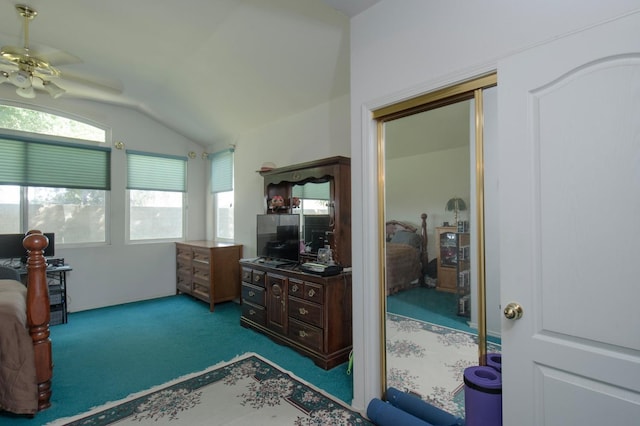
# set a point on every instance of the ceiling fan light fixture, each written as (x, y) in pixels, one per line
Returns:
(52, 89)
(26, 92)
(20, 78)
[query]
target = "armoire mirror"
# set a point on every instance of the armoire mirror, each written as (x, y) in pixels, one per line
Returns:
(432, 160)
(312, 201)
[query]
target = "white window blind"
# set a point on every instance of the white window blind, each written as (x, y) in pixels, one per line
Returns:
(156, 172)
(222, 171)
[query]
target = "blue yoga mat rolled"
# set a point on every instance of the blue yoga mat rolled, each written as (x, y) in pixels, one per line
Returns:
(385, 414)
(421, 409)
(482, 396)
(494, 360)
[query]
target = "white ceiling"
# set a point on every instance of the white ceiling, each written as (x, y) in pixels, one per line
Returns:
(210, 69)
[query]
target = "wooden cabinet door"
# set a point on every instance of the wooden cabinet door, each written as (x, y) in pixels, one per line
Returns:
(277, 303)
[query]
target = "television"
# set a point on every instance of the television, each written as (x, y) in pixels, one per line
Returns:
(11, 246)
(278, 236)
(315, 231)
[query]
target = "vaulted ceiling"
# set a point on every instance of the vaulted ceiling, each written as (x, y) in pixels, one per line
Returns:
(210, 69)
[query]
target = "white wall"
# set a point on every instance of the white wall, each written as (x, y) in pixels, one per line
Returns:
(403, 49)
(310, 135)
(423, 184)
(118, 272)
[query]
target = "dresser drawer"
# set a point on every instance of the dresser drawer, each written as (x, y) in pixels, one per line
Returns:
(257, 278)
(201, 290)
(183, 267)
(183, 282)
(310, 313)
(184, 253)
(253, 294)
(201, 255)
(306, 290)
(306, 334)
(254, 313)
(201, 273)
(313, 292)
(246, 275)
(296, 288)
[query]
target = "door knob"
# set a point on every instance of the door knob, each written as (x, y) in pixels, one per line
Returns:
(513, 311)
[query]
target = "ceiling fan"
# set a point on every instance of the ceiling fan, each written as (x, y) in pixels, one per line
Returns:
(23, 68)
(28, 70)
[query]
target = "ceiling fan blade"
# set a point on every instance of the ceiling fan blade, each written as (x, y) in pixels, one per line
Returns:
(7, 64)
(13, 50)
(53, 56)
(70, 81)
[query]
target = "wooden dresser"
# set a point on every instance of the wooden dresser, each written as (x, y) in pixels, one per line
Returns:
(208, 270)
(309, 313)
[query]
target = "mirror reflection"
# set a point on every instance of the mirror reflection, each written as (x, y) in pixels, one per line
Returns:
(431, 253)
(311, 200)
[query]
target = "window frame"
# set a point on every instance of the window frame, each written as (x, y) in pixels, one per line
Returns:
(44, 138)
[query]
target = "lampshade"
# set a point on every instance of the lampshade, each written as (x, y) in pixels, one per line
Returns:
(52, 89)
(26, 92)
(20, 78)
(456, 204)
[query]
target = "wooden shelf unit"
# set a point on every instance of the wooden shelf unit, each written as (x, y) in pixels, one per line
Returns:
(337, 171)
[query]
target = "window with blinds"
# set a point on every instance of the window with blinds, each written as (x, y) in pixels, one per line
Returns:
(54, 186)
(156, 184)
(222, 188)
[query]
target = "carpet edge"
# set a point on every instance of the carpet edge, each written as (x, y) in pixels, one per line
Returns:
(64, 420)
(312, 386)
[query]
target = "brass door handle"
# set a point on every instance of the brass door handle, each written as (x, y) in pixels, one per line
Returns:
(513, 311)
(294, 288)
(303, 311)
(311, 293)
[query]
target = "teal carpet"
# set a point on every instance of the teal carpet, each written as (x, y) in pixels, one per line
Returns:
(431, 305)
(106, 354)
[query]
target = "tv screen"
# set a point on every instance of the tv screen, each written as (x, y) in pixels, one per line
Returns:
(278, 236)
(315, 229)
(11, 246)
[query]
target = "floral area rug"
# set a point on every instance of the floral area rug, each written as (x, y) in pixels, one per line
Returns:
(248, 390)
(428, 360)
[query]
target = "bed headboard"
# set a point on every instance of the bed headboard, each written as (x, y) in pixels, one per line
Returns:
(393, 226)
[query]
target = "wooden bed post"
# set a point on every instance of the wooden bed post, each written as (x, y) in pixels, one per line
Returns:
(38, 313)
(424, 255)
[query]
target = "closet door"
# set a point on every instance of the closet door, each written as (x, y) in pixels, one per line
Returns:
(569, 144)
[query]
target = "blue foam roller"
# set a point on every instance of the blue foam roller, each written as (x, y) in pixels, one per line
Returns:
(421, 409)
(385, 414)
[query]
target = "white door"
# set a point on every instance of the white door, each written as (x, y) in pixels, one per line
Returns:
(569, 191)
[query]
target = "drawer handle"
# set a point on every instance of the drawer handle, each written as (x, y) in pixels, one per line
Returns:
(252, 293)
(311, 293)
(256, 278)
(302, 333)
(295, 288)
(252, 312)
(303, 311)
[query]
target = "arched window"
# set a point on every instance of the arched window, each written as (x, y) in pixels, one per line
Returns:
(54, 175)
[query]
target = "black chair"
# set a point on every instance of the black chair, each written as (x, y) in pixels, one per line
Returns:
(8, 273)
